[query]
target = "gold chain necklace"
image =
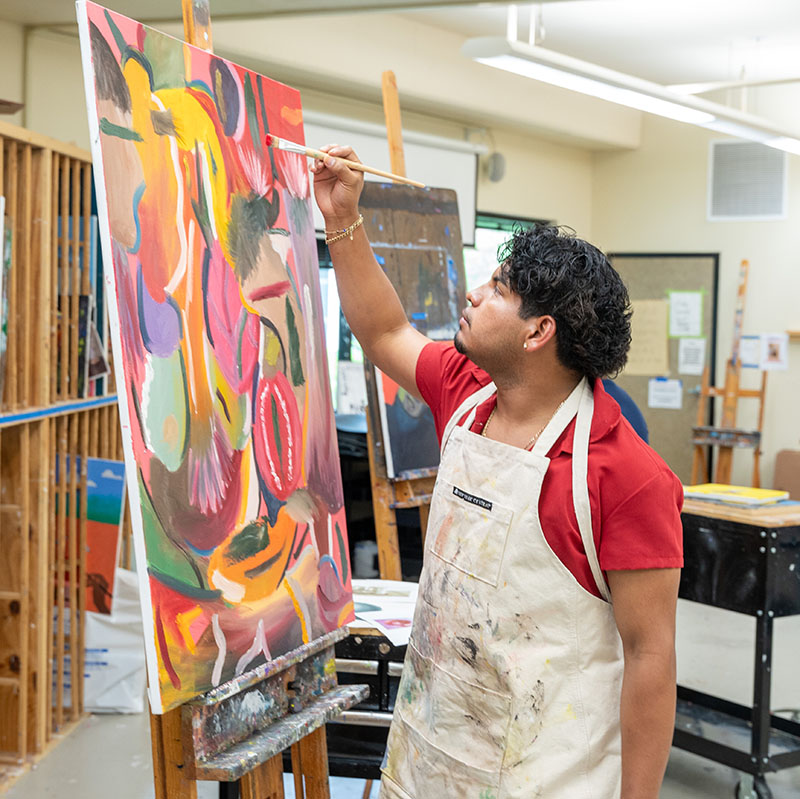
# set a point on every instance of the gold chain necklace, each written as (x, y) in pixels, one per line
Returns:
(532, 440)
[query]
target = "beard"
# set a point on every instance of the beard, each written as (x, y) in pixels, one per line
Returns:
(459, 344)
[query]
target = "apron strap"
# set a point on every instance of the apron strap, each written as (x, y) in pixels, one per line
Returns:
(556, 426)
(470, 403)
(580, 486)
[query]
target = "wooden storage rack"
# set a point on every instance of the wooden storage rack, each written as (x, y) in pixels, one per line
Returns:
(42, 422)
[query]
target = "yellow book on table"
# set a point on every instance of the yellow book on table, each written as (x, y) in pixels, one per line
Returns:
(736, 495)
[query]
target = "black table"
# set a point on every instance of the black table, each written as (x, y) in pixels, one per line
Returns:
(746, 560)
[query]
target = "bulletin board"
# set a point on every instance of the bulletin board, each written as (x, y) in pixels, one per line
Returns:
(657, 283)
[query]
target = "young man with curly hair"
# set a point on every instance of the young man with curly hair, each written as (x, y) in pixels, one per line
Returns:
(542, 657)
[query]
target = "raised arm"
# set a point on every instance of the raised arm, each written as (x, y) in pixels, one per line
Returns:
(369, 301)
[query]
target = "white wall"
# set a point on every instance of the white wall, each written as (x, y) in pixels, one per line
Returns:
(543, 179)
(12, 42)
(55, 103)
(653, 199)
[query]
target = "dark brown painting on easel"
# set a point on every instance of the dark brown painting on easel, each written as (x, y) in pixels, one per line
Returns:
(416, 238)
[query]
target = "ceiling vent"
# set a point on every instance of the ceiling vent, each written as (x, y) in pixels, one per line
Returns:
(747, 182)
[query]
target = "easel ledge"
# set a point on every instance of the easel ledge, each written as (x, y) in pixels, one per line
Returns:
(238, 731)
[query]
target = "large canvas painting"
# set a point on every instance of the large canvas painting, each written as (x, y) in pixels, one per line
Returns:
(216, 315)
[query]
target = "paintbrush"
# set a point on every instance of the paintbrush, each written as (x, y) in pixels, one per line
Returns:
(291, 147)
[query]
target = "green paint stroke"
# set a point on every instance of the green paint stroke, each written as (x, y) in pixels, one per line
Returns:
(163, 556)
(276, 429)
(342, 553)
(487, 793)
(118, 131)
(166, 417)
(252, 116)
(169, 70)
(294, 347)
(115, 32)
(251, 540)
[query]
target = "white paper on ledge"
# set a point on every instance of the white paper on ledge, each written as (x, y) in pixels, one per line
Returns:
(386, 605)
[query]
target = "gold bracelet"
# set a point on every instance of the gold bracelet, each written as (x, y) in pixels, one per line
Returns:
(344, 232)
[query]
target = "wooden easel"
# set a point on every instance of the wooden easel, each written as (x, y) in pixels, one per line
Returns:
(186, 742)
(415, 489)
(726, 437)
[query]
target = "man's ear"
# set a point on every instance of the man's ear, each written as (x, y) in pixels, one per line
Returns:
(541, 329)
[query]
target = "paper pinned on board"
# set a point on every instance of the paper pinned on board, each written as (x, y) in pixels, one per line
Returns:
(665, 393)
(648, 354)
(691, 356)
(685, 314)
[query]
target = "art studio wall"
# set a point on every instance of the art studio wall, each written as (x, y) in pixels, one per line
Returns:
(628, 181)
(653, 199)
(12, 41)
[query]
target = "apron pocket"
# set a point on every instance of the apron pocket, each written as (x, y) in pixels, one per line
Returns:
(469, 531)
(417, 769)
(466, 721)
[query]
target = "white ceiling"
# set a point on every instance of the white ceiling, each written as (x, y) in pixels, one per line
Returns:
(666, 41)
(50, 12)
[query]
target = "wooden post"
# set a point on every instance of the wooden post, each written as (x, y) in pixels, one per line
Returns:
(314, 757)
(725, 434)
(264, 781)
(394, 128)
(197, 23)
(699, 462)
(389, 494)
(171, 781)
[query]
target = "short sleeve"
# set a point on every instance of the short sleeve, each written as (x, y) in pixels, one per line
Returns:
(444, 379)
(645, 530)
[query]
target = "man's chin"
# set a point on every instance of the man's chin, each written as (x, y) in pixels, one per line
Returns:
(458, 342)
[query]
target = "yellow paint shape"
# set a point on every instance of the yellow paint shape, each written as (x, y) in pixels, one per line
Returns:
(273, 348)
(304, 433)
(345, 614)
(184, 622)
(298, 611)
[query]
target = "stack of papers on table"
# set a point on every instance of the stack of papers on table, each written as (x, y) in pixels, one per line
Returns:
(387, 605)
(735, 495)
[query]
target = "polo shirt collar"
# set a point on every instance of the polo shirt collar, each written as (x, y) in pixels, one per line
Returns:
(607, 415)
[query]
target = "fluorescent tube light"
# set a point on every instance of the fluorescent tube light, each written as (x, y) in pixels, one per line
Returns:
(594, 88)
(544, 65)
(787, 143)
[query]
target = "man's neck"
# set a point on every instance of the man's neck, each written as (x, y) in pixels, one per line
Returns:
(526, 401)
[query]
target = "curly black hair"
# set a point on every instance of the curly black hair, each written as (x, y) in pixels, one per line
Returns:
(557, 274)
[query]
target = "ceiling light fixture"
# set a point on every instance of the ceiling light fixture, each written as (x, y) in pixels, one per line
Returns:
(566, 72)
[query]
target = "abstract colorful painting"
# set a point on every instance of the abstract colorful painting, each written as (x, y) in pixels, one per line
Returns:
(211, 264)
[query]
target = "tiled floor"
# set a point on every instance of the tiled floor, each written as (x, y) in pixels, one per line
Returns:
(109, 756)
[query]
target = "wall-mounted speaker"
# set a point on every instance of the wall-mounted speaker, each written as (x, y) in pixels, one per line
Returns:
(496, 167)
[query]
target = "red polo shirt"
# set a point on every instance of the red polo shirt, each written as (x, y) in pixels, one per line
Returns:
(636, 499)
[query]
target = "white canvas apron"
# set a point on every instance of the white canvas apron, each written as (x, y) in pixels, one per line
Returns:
(511, 684)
